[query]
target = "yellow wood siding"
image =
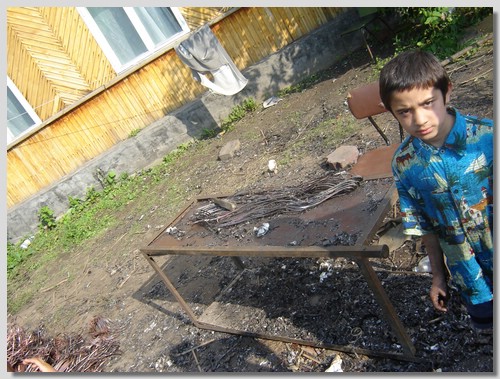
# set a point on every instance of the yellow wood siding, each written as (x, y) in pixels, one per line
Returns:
(54, 60)
(197, 16)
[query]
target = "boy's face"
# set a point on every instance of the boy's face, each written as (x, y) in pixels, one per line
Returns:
(422, 114)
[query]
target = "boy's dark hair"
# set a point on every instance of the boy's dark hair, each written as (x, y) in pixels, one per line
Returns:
(409, 70)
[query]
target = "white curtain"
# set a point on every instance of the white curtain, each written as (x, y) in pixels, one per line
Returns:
(119, 32)
(160, 23)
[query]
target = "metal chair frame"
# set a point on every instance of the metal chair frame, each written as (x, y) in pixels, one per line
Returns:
(365, 102)
(367, 16)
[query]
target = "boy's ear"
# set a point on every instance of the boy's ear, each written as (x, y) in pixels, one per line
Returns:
(448, 93)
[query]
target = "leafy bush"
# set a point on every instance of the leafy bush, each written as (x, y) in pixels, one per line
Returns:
(111, 178)
(76, 205)
(46, 218)
(92, 195)
(439, 30)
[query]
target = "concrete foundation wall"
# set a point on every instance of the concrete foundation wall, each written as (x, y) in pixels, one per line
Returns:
(304, 57)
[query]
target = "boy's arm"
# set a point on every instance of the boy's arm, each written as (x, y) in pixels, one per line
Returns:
(439, 287)
(40, 363)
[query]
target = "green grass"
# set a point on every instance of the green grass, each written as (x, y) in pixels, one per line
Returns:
(88, 218)
(302, 85)
(237, 113)
(95, 213)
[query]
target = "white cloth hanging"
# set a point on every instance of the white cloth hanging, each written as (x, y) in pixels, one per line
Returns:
(204, 54)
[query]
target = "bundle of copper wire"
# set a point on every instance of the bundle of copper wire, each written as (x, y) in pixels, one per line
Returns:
(269, 202)
(65, 353)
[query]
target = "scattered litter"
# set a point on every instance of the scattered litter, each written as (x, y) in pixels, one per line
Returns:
(424, 265)
(162, 363)
(273, 100)
(27, 242)
(341, 238)
(336, 365)
(323, 276)
(262, 230)
(151, 327)
(173, 231)
(433, 347)
(325, 266)
(272, 165)
(393, 236)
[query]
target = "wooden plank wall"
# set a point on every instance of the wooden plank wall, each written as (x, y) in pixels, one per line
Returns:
(52, 57)
(146, 95)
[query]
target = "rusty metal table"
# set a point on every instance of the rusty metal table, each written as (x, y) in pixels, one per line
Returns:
(361, 211)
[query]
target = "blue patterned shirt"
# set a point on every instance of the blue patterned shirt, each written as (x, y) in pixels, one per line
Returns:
(449, 192)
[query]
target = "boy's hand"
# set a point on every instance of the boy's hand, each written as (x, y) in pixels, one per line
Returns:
(439, 296)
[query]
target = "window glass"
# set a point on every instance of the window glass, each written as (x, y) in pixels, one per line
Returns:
(119, 32)
(129, 34)
(160, 23)
(18, 118)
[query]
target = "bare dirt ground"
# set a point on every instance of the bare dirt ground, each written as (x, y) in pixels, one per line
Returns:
(111, 279)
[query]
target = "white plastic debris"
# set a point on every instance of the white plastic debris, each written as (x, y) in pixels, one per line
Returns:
(323, 276)
(325, 266)
(171, 230)
(424, 265)
(261, 230)
(273, 100)
(271, 165)
(27, 242)
(336, 365)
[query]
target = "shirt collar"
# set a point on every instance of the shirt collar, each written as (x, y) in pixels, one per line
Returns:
(456, 140)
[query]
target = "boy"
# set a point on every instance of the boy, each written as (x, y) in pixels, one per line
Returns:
(444, 176)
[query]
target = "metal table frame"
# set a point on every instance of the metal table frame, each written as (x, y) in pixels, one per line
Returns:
(359, 253)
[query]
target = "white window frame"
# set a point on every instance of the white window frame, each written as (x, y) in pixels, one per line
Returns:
(27, 108)
(108, 51)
